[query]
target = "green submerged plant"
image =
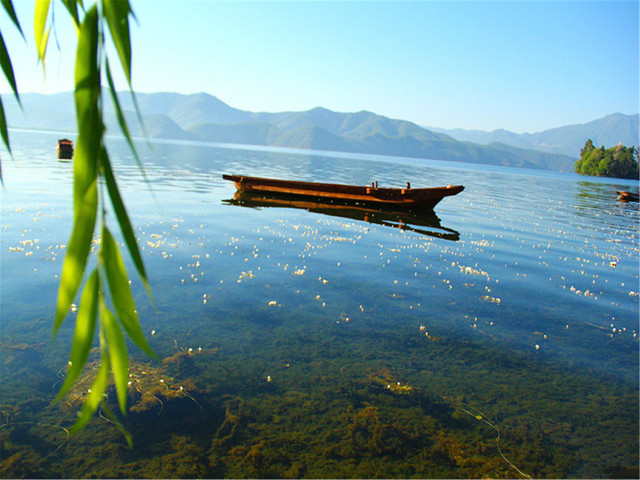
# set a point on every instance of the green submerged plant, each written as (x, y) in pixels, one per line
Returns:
(106, 303)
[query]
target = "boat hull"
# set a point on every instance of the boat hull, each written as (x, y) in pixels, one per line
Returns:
(401, 197)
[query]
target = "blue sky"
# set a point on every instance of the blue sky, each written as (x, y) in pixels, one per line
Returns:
(518, 65)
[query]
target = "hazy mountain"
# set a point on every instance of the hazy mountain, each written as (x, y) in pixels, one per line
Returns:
(205, 117)
(41, 111)
(568, 140)
(314, 138)
(158, 126)
(245, 133)
(202, 108)
(151, 103)
(318, 117)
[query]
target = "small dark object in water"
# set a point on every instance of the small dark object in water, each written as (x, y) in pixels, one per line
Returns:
(624, 196)
(64, 149)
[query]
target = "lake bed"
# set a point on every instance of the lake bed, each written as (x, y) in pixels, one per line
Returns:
(498, 339)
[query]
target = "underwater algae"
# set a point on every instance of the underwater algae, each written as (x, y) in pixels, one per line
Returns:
(283, 411)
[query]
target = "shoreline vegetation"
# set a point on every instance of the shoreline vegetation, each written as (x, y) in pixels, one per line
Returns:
(616, 162)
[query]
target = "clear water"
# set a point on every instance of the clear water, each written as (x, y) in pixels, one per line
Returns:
(510, 322)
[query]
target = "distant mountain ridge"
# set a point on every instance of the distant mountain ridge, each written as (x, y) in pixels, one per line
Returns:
(567, 140)
(206, 118)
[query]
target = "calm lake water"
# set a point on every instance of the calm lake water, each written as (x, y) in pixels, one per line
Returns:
(497, 339)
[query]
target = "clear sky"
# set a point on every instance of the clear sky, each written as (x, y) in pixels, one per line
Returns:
(518, 65)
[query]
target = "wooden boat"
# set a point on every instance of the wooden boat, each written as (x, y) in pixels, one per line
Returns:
(422, 221)
(624, 196)
(374, 195)
(64, 149)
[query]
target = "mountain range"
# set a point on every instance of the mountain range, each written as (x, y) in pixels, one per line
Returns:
(206, 118)
(568, 140)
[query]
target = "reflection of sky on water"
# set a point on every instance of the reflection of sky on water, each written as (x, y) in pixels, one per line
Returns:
(536, 252)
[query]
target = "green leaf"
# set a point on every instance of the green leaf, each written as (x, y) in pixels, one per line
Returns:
(39, 24)
(87, 96)
(8, 73)
(72, 8)
(117, 353)
(8, 7)
(121, 120)
(96, 396)
(77, 251)
(123, 220)
(5, 134)
(123, 123)
(84, 333)
(117, 14)
(121, 292)
(136, 107)
(109, 414)
(85, 165)
(7, 67)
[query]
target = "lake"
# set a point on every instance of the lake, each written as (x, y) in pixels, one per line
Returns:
(496, 338)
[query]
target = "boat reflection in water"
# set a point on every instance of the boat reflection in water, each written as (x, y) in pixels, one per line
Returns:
(422, 221)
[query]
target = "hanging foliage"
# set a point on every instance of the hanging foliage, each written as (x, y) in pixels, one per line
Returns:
(108, 284)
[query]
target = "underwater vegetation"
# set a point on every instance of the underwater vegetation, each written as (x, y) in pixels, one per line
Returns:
(364, 409)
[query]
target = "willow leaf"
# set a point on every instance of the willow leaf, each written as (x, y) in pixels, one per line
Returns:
(123, 220)
(85, 165)
(7, 67)
(117, 14)
(87, 95)
(72, 8)
(5, 136)
(109, 414)
(121, 292)
(77, 252)
(39, 25)
(123, 123)
(117, 353)
(96, 394)
(4, 131)
(8, 7)
(136, 107)
(84, 333)
(121, 120)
